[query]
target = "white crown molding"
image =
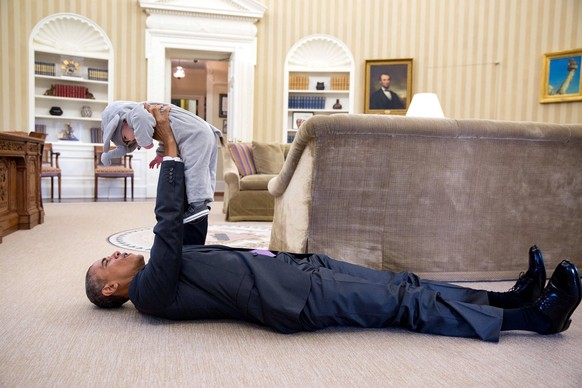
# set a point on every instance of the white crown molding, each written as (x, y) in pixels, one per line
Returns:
(229, 9)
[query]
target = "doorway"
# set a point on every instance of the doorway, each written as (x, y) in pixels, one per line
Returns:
(200, 86)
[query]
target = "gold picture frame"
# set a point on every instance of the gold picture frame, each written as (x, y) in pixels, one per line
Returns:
(399, 74)
(561, 81)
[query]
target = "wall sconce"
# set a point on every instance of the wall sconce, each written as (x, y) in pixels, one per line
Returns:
(179, 73)
(425, 105)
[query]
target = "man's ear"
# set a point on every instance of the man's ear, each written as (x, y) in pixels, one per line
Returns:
(110, 289)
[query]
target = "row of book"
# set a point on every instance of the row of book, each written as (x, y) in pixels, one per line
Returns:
(301, 82)
(44, 68)
(71, 91)
(97, 74)
(298, 82)
(96, 135)
(340, 83)
(306, 102)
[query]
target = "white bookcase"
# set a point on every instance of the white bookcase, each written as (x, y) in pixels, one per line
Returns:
(319, 78)
(72, 37)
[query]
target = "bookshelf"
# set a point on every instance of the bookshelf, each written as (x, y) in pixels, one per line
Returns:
(319, 79)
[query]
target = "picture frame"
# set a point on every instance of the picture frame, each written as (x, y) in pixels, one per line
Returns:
(561, 81)
(300, 117)
(399, 72)
(222, 105)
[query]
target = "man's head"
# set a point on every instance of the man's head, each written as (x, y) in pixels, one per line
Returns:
(385, 80)
(107, 280)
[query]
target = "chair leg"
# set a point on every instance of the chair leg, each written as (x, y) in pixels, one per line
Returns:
(52, 189)
(132, 187)
(95, 190)
(59, 183)
(125, 189)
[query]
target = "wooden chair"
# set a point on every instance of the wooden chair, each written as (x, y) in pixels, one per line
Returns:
(120, 168)
(50, 168)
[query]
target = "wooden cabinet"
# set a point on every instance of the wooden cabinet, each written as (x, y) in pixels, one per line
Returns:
(20, 165)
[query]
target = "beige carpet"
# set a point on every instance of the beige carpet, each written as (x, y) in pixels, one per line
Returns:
(51, 336)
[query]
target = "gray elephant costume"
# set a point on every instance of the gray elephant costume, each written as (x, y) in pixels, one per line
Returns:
(196, 139)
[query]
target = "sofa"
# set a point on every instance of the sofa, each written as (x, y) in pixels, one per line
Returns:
(247, 169)
(448, 199)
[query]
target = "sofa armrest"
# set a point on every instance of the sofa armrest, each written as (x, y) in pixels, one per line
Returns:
(305, 134)
(231, 178)
(292, 192)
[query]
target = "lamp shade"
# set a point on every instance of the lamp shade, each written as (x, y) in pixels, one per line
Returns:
(425, 105)
(179, 73)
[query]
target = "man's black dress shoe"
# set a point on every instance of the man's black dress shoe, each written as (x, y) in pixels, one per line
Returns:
(560, 298)
(529, 286)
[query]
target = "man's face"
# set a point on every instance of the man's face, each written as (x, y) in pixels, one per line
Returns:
(118, 267)
(385, 81)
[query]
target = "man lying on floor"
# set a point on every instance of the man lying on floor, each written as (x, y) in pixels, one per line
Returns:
(291, 292)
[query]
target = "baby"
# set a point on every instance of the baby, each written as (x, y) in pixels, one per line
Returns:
(129, 126)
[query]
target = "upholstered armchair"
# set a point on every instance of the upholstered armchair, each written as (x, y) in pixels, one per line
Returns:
(247, 169)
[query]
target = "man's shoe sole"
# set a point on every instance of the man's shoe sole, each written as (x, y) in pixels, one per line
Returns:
(196, 216)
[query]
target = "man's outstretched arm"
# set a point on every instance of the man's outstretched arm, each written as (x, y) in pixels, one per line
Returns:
(154, 288)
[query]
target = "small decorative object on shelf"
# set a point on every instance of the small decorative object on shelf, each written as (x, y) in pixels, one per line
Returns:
(56, 111)
(337, 104)
(69, 67)
(40, 128)
(320, 86)
(68, 133)
(86, 111)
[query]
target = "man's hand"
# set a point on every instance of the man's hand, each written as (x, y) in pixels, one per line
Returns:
(163, 130)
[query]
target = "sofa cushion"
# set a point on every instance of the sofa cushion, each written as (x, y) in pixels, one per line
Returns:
(268, 157)
(255, 182)
(242, 155)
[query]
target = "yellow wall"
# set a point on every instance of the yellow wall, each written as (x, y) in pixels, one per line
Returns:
(455, 45)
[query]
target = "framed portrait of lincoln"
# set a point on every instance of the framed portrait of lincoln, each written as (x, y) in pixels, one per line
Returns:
(388, 86)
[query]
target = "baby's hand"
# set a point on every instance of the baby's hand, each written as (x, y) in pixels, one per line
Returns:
(156, 162)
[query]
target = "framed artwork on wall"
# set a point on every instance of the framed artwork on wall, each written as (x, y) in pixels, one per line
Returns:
(388, 86)
(299, 118)
(561, 79)
(222, 105)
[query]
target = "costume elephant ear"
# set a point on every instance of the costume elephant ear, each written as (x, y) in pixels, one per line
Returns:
(109, 131)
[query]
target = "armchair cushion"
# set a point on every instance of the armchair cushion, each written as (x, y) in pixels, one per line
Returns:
(256, 181)
(268, 157)
(242, 155)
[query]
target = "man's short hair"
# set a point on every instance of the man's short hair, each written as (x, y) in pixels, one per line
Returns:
(93, 287)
